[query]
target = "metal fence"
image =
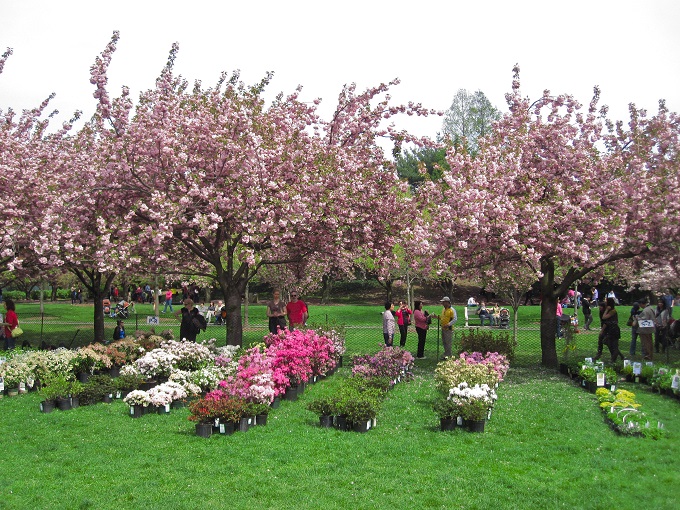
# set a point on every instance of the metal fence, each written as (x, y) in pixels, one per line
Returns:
(46, 329)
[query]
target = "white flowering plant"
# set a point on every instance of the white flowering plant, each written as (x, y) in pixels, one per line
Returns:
(474, 401)
(156, 363)
(138, 398)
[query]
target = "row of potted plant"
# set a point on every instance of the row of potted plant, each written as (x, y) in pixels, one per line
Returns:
(65, 393)
(357, 401)
(623, 414)
(467, 389)
(263, 373)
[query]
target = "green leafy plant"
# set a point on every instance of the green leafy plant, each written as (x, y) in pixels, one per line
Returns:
(446, 408)
(475, 409)
(55, 387)
(477, 340)
(323, 406)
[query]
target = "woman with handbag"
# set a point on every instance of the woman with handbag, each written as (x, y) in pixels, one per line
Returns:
(422, 320)
(11, 322)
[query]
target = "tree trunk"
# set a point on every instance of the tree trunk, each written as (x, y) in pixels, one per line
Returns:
(326, 285)
(98, 295)
(548, 314)
(232, 300)
(233, 290)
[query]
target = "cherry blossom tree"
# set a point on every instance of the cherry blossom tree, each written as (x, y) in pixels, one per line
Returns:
(220, 184)
(562, 191)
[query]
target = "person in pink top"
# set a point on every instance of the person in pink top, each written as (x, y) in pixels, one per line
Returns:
(422, 324)
(168, 301)
(403, 320)
(296, 310)
(11, 321)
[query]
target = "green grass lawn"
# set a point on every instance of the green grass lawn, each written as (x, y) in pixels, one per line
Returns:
(546, 446)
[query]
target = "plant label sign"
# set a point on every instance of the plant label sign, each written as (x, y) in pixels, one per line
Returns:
(589, 360)
(152, 320)
(626, 363)
(676, 382)
(2, 385)
(637, 368)
(600, 378)
(650, 363)
(663, 371)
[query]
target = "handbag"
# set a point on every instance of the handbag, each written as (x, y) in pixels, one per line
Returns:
(630, 321)
(17, 332)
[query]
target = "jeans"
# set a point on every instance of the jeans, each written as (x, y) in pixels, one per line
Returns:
(10, 343)
(389, 339)
(168, 303)
(422, 334)
(485, 316)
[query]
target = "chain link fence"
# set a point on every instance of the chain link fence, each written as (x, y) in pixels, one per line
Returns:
(51, 330)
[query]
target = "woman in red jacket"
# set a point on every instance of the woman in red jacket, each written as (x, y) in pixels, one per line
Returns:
(11, 322)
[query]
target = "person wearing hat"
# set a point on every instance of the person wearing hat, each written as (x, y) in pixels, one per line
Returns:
(646, 329)
(447, 319)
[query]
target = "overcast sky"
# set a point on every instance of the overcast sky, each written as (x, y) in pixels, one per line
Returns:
(631, 49)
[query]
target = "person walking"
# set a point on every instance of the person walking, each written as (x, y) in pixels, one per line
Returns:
(447, 319)
(388, 324)
(420, 318)
(187, 328)
(403, 321)
(168, 301)
(611, 333)
(661, 323)
(646, 329)
(276, 311)
(587, 313)
(297, 312)
(11, 322)
(632, 322)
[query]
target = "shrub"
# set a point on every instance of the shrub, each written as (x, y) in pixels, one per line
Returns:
(477, 340)
(323, 406)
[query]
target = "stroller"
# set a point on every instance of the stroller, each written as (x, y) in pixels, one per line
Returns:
(121, 311)
(504, 318)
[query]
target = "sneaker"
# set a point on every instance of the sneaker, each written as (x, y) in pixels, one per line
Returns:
(421, 357)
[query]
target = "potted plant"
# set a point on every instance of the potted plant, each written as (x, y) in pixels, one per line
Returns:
(203, 412)
(324, 407)
(448, 411)
(260, 411)
(589, 376)
(76, 388)
(54, 388)
(475, 413)
(361, 410)
(231, 412)
(127, 382)
(99, 388)
(138, 401)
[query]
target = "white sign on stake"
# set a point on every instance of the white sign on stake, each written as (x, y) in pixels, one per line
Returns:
(637, 368)
(676, 382)
(600, 378)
